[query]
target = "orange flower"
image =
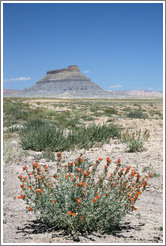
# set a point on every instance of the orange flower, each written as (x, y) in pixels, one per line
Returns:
(30, 187)
(119, 160)
(31, 173)
(78, 200)
(76, 177)
(112, 184)
(55, 176)
(100, 159)
(75, 162)
(54, 201)
(84, 184)
(150, 175)
(94, 200)
(69, 164)
(59, 154)
(23, 180)
(74, 214)
(19, 197)
(20, 176)
(71, 178)
(128, 168)
(41, 189)
(68, 175)
(122, 169)
(81, 159)
(22, 186)
(70, 213)
(139, 193)
(97, 197)
(30, 208)
(80, 217)
(132, 199)
(37, 191)
(24, 168)
(105, 166)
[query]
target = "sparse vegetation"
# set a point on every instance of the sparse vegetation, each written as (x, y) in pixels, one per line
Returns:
(135, 140)
(41, 135)
(137, 114)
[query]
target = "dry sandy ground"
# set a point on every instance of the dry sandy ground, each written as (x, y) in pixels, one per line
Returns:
(142, 226)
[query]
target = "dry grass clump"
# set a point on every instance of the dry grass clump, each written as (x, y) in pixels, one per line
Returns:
(135, 140)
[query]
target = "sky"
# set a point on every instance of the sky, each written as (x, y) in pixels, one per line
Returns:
(119, 46)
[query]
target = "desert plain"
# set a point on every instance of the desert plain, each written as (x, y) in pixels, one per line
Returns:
(135, 116)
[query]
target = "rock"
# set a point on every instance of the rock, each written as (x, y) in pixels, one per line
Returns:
(67, 82)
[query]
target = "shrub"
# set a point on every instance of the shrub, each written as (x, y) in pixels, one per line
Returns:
(135, 140)
(40, 135)
(156, 112)
(137, 114)
(79, 198)
(86, 137)
(110, 111)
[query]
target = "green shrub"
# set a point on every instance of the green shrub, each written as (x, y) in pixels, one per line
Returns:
(40, 135)
(85, 137)
(135, 140)
(46, 137)
(156, 112)
(134, 114)
(110, 111)
(78, 198)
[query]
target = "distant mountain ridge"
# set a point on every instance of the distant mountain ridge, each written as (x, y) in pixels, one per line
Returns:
(113, 94)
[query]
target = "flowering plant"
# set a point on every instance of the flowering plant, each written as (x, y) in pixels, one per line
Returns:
(77, 197)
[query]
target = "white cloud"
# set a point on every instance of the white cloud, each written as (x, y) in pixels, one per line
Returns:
(86, 71)
(115, 86)
(17, 79)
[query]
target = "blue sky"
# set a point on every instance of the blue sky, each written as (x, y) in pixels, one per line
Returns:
(119, 46)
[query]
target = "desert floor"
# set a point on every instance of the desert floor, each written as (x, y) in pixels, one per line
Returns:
(145, 225)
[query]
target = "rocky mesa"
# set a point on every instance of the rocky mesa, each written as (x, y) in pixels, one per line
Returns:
(66, 82)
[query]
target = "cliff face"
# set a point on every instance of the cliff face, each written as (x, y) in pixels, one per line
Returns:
(71, 68)
(67, 82)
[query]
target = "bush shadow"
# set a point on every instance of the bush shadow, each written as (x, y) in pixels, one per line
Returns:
(36, 227)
